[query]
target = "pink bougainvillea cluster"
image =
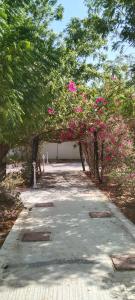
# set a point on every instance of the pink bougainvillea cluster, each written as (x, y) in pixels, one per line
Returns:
(66, 135)
(72, 86)
(78, 109)
(116, 138)
(91, 124)
(72, 124)
(100, 101)
(51, 111)
(100, 105)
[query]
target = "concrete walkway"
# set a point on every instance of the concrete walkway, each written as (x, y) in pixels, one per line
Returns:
(75, 264)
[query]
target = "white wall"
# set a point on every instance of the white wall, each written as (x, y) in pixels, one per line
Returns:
(60, 151)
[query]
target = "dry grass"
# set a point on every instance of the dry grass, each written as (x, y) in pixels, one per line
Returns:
(119, 186)
(10, 204)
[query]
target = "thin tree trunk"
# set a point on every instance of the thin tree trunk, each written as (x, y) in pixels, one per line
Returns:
(81, 156)
(90, 155)
(96, 157)
(85, 151)
(4, 148)
(94, 160)
(35, 144)
(102, 161)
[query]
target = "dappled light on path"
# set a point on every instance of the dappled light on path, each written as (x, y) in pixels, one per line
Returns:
(76, 262)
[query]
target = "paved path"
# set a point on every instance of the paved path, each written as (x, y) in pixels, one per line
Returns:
(51, 167)
(75, 264)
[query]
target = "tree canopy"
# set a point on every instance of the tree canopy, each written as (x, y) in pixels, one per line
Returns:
(27, 54)
(64, 83)
(36, 63)
(116, 17)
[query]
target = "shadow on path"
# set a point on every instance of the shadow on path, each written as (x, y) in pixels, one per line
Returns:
(80, 248)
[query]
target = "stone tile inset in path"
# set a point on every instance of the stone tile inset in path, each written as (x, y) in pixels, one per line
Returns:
(36, 236)
(124, 262)
(100, 214)
(47, 204)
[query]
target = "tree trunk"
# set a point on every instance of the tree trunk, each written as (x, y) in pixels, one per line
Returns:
(89, 152)
(85, 151)
(35, 144)
(96, 156)
(81, 156)
(4, 148)
(102, 161)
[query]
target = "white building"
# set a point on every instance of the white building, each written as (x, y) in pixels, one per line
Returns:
(58, 151)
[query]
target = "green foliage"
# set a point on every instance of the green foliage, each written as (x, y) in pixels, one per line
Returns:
(36, 66)
(28, 55)
(114, 16)
(117, 88)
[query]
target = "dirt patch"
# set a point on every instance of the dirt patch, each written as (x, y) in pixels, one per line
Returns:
(10, 208)
(120, 194)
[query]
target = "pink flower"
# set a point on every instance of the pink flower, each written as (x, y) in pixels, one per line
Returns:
(72, 86)
(102, 135)
(102, 125)
(132, 175)
(72, 124)
(108, 149)
(51, 111)
(129, 142)
(101, 100)
(66, 135)
(78, 109)
(108, 158)
(69, 135)
(92, 129)
(113, 141)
